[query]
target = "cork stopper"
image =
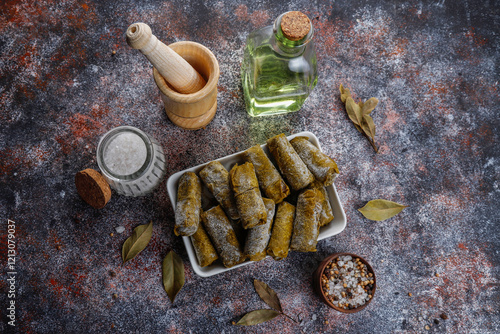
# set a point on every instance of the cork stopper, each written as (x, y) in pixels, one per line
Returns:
(92, 188)
(295, 25)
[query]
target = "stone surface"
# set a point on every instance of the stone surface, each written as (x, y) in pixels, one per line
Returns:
(67, 76)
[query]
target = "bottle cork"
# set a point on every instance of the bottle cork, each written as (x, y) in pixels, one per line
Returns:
(295, 25)
(93, 188)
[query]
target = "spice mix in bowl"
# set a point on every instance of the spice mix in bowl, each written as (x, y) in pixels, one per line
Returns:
(345, 282)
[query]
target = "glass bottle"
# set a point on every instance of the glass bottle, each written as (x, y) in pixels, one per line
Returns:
(132, 162)
(279, 68)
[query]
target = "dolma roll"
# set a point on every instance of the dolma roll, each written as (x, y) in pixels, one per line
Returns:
(270, 180)
(258, 236)
(326, 213)
(222, 234)
(187, 211)
(247, 194)
(282, 231)
(216, 178)
(306, 222)
(289, 162)
(241, 233)
(321, 165)
(203, 248)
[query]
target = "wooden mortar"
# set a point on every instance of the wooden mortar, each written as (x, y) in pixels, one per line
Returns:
(191, 111)
(186, 74)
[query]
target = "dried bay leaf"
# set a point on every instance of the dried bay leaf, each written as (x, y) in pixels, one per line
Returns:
(359, 128)
(359, 114)
(368, 126)
(353, 111)
(257, 317)
(172, 274)
(344, 93)
(381, 209)
(137, 241)
(369, 130)
(268, 295)
(369, 105)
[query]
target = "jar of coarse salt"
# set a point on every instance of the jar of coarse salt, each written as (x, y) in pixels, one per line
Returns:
(132, 162)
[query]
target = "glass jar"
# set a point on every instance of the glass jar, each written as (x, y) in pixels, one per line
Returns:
(132, 162)
(279, 68)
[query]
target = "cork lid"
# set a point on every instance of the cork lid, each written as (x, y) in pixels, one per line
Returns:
(93, 188)
(295, 25)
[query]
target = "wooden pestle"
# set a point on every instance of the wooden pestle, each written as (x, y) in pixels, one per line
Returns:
(176, 71)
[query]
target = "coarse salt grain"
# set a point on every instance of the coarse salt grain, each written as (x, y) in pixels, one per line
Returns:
(347, 288)
(125, 154)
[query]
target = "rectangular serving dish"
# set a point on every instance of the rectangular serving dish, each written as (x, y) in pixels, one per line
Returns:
(335, 227)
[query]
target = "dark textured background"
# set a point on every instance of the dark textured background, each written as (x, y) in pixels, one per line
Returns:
(432, 64)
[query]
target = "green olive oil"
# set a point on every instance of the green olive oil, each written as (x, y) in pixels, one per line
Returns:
(278, 74)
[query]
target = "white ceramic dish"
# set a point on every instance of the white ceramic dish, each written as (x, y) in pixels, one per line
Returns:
(335, 227)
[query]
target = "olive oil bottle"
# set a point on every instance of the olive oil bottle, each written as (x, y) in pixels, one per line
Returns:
(279, 68)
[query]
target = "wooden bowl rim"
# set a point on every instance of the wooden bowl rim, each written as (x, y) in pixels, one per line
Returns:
(319, 289)
(202, 93)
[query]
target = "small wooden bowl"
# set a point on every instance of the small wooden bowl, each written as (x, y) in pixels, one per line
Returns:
(196, 110)
(319, 273)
